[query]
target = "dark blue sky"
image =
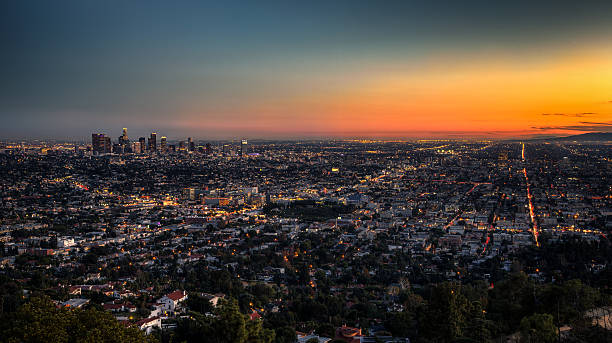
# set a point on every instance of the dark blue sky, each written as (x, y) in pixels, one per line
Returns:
(72, 67)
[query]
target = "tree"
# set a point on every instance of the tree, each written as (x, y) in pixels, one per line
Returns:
(538, 328)
(399, 323)
(256, 333)
(227, 325)
(199, 303)
(511, 300)
(478, 327)
(285, 334)
(447, 313)
(39, 320)
(230, 324)
(326, 330)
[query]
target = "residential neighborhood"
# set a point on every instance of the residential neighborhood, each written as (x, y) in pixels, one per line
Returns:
(315, 241)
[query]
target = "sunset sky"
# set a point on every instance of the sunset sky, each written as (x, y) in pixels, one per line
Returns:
(307, 69)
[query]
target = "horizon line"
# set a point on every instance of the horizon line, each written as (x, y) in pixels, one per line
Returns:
(452, 137)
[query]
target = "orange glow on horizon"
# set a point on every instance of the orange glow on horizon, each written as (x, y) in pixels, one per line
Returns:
(475, 97)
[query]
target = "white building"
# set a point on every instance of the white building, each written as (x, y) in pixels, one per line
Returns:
(169, 302)
(65, 242)
(148, 324)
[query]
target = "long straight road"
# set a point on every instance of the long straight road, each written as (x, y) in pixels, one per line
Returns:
(534, 229)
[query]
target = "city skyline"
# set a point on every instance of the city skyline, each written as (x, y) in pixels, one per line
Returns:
(271, 171)
(354, 240)
(272, 70)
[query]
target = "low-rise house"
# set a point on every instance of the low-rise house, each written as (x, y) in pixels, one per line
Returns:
(171, 301)
(148, 324)
(75, 303)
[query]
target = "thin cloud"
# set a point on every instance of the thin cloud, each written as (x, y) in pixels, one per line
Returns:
(594, 123)
(582, 114)
(583, 126)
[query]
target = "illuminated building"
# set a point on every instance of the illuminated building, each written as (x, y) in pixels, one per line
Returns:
(143, 146)
(153, 142)
(244, 147)
(163, 143)
(123, 139)
(190, 144)
(136, 148)
(100, 143)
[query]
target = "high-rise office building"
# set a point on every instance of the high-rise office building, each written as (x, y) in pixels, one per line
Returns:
(208, 149)
(190, 144)
(123, 139)
(136, 147)
(162, 146)
(100, 143)
(119, 148)
(97, 142)
(124, 143)
(244, 147)
(107, 144)
(143, 145)
(153, 142)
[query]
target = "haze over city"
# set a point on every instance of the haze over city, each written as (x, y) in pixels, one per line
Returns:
(305, 171)
(316, 69)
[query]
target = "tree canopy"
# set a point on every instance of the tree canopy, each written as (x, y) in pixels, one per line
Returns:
(40, 320)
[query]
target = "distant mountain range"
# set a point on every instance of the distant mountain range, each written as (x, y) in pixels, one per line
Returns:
(585, 137)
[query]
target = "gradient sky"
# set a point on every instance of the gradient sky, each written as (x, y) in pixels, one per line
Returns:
(299, 69)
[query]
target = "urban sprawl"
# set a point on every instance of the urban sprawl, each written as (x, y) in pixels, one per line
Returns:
(315, 241)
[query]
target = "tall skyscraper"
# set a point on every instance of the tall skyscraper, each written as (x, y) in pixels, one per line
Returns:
(100, 143)
(124, 137)
(163, 147)
(107, 144)
(208, 149)
(136, 147)
(118, 148)
(95, 142)
(244, 147)
(124, 143)
(153, 142)
(190, 144)
(143, 145)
